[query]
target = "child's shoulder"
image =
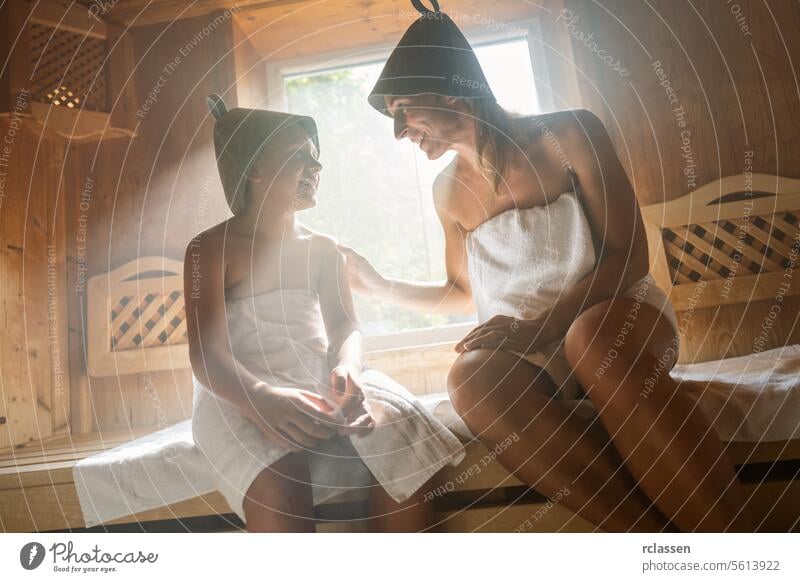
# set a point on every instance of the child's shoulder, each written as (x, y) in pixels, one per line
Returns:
(321, 244)
(214, 232)
(217, 242)
(225, 232)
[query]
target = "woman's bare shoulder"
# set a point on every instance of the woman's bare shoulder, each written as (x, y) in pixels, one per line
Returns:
(555, 120)
(444, 185)
(570, 135)
(571, 125)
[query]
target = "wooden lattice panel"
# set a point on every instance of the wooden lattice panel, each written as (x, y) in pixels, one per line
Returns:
(137, 318)
(154, 320)
(749, 245)
(68, 68)
(734, 240)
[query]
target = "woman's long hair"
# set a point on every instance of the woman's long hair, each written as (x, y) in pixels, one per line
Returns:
(497, 139)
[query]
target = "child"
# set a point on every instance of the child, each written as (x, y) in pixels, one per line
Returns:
(282, 408)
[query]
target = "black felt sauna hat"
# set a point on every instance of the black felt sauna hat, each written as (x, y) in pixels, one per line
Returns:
(432, 57)
(239, 137)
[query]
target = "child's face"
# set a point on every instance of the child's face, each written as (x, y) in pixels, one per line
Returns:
(286, 175)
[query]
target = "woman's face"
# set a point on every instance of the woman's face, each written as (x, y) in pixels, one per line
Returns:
(432, 122)
(286, 175)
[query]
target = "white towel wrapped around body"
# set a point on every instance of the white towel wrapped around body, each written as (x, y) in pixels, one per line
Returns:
(524, 259)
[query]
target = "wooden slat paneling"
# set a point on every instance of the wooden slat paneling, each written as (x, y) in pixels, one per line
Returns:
(32, 290)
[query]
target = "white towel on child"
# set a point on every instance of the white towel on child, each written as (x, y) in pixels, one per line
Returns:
(280, 337)
(408, 444)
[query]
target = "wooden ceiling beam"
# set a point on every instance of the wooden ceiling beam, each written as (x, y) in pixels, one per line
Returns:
(135, 13)
(281, 32)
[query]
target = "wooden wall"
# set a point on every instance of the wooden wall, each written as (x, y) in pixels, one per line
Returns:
(149, 196)
(34, 358)
(734, 107)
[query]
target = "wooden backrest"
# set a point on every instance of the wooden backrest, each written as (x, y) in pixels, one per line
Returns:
(137, 318)
(734, 240)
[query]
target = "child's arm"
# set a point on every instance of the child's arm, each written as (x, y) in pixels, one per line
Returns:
(336, 304)
(344, 333)
(270, 408)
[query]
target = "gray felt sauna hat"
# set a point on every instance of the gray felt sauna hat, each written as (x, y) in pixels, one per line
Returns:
(433, 56)
(239, 136)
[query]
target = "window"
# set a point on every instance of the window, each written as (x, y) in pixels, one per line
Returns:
(375, 192)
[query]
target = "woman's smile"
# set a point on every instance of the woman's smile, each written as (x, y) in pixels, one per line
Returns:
(415, 137)
(419, 138)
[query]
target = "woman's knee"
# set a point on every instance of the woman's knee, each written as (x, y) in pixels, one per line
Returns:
(472, 380)
(585, 338)
(485, 384)
(620, 325)
(607, 345)
(461, 378)
(609, 333)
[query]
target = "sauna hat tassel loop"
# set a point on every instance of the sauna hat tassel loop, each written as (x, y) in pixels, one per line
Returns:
(433, 56)
(422, 9)
(239, 137)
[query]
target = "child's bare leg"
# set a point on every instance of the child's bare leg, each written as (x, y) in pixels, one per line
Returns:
(279, 499)
(386, 515)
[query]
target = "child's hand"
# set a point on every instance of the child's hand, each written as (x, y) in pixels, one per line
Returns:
(349, 395)
(294, 418)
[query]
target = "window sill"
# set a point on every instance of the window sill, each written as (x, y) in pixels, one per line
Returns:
(417, 338)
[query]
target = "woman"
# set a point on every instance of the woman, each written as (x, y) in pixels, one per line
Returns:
(544, 236)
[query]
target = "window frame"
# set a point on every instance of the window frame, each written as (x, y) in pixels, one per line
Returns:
(277, 71)
(529, 29)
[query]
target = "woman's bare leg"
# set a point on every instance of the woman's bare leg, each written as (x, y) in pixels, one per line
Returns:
(386, 515)
(280, 499)
(666, 442)
(499, 396)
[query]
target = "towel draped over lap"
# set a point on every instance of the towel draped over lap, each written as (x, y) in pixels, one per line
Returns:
(280, 337)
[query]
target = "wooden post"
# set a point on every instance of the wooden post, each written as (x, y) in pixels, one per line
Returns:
(15, 54)
(120, 75)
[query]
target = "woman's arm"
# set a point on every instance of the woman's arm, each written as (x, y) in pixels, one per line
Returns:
(614, 218)
(453, 295)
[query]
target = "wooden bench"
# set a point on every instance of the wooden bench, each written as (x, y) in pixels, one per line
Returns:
(37, 492)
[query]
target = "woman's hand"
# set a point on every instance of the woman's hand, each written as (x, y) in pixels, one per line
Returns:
(363, 277)
(293, 418)
(350, 396)
(507, 333)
